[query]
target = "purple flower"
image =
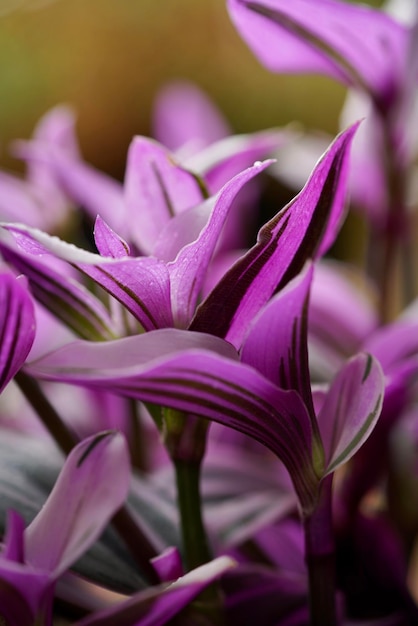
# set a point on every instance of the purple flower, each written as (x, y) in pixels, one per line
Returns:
(163, 289)
(158, 184)
(267, 395)
(38, 199)
(92, 485)
(370, 52)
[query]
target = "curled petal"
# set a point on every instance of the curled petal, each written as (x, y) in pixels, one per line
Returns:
(108, 242)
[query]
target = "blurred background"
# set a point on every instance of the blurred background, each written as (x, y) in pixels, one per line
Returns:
(109, 58)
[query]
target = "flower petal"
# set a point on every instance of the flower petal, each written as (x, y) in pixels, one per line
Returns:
(198, 381)
(394, 345)
(351, 409)
(188, 270)
(22, 593)
(17, 326)
(222, 160)
(156, 188)
(168, 565)
(341, 317)
(108, 242)
(185, 119)
(141, 284)
(124, 357)
(94, 191)
(64, 297)
(156, 606)
(20, 201)
(55, 129)
(91, 487)
(302, 230)
(277, 342)
(356, 45)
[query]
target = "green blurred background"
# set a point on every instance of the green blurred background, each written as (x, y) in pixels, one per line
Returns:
(108, 58)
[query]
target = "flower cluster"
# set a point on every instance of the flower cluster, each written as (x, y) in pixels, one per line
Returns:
(198, 431)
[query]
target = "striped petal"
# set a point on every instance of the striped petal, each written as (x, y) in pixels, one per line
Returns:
(63, 296)
(141, 284)
(206, 383)
(351, 409)
(156, 188)
(188, 269)
(17, 326)
(354, 44)
(302, 230)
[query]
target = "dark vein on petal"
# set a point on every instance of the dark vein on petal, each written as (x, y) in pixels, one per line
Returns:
(163, 188)
(276, 16)
(128, 292)
(318, 223)
(216, 313)
(367, 369)
(42, 284)
(92, 445)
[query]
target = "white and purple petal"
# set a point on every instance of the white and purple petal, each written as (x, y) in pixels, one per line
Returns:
(91, 487)
(54, 287)
(351, 409)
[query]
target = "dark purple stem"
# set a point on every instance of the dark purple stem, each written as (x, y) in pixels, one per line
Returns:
(395, 236)
(320, 559)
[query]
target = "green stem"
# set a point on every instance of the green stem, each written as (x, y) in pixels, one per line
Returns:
(195, 543)
(319, 555)
(207, 609)
(185, 440)
(127, 527)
